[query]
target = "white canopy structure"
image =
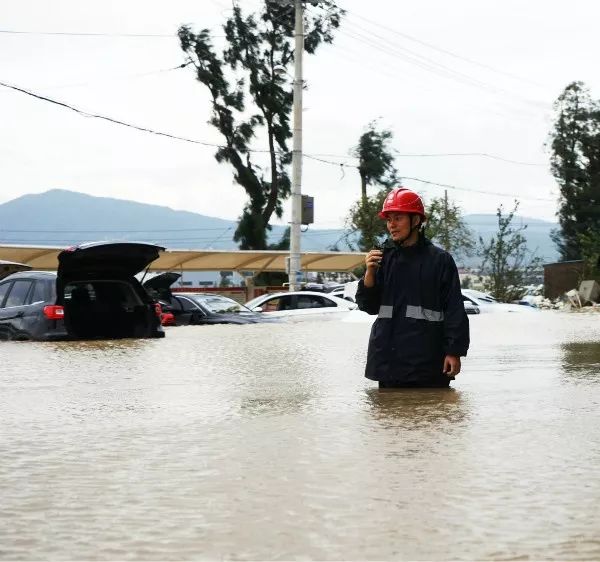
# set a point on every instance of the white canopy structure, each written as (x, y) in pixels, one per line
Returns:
(46, 258)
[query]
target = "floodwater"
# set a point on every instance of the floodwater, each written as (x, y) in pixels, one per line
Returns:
(266, 442)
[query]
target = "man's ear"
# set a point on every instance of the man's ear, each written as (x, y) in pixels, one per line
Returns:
(418, 223)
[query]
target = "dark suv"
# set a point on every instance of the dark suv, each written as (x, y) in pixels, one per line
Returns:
(93, 295)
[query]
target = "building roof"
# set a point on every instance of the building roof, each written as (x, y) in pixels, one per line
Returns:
(46, 258)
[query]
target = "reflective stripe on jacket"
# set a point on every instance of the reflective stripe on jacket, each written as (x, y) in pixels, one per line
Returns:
(421, 316)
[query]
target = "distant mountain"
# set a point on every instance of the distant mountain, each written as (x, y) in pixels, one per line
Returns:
(61, 218)
(537, 234)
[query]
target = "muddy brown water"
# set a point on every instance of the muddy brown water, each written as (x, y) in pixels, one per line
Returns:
(266, 442)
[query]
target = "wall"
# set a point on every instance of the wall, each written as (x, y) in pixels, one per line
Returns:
(562, 277)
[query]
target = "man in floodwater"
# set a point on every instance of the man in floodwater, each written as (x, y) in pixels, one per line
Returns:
(422, 329)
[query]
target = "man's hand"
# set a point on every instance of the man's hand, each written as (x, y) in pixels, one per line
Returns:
(451, 365)
(373, 259)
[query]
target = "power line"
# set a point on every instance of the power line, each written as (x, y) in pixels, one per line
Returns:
(88, 34)
(480, 154)
(125, 77)
(95, 34)
(176, 137)
(469, 190)
(434, 67)
(483, 192)
(447, 52)
(112, 229)
(115, 121)
(441, 154)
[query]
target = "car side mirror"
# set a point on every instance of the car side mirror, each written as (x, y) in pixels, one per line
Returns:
(257, 309)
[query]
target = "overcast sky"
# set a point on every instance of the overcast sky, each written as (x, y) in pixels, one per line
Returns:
(406, 63)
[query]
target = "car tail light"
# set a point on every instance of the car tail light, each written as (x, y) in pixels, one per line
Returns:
(54, 312)
(167, 319)
(158, 309)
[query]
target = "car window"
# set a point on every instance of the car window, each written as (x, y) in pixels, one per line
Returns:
(272, 305)
(39, 292)
(188, 305)
(4, 287)
(175, 304)
(80, 292)
(328, 302)
(18, 294)
(313, 301)
(219, 304)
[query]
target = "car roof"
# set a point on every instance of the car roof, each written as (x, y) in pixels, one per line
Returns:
(31, 275)
(194, 294)
(283, 293)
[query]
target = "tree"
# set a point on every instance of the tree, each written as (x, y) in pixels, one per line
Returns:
(376, 168)
(446, 226)
(250, 98)
(575, 160)
(505, 258)
(375, 159)
(363, 220)
(589, 243)
(225, 278)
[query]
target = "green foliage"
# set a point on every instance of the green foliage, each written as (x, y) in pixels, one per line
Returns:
(251, 99)
(363, 219)
(284, 242)
(225, 278)
(446, 227)
(376, 161)
(575, 159)
(505, 259)
(589, 243)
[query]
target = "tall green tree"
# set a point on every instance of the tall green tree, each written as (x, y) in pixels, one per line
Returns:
(445, 224)
(375, 159)
(447, 227)
(363, 221)
(507, 263)
(575, 160)
(376, 169)
(252, 99)
(589, 243)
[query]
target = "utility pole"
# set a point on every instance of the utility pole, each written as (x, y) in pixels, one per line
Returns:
(295, 273)
(446, 238)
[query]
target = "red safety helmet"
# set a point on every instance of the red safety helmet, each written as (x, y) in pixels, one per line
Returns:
(402, 200)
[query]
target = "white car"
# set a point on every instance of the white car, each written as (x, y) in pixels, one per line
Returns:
(487, 303)
(346, 291)
(300, 304)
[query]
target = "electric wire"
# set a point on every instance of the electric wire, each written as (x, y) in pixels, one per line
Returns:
(442, 71)
(446, 51)
(214, 145)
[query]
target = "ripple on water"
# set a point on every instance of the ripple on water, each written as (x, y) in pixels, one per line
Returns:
(266, 442)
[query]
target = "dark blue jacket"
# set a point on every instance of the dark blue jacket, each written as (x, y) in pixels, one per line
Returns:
(421, 316)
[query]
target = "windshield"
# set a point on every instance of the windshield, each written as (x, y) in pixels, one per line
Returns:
(220, 305)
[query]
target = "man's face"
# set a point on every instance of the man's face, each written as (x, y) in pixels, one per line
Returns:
(398, 225)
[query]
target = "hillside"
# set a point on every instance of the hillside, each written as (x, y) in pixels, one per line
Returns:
(60, 217)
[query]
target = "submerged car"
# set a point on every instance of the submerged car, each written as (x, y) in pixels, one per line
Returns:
(209, 308)
(300, 303)
(486, 303)
(93, 295)
(185, 308)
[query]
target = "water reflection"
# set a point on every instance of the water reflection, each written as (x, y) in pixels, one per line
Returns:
(581, 361)
(417, 408)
